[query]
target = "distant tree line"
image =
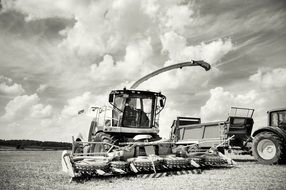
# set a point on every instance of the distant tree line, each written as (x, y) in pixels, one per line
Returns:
(22, 144)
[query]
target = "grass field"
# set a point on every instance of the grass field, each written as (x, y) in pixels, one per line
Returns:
(42, 170)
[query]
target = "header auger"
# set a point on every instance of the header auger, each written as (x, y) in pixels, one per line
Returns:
(123, 138)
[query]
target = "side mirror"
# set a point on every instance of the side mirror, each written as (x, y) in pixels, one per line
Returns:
(111, 98)
(161, 101)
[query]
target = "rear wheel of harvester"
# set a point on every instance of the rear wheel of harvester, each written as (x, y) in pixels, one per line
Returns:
(267, 148)
(101, 137)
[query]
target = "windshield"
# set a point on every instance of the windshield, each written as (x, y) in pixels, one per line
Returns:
(137, 110)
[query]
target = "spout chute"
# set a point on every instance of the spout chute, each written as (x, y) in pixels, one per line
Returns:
(201, 63)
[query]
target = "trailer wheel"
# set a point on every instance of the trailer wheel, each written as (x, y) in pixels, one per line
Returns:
(267, 148)
(101, 137)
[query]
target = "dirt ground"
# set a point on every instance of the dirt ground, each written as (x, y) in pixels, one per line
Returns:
(42, 170)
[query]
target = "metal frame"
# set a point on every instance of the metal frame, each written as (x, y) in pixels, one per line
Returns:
(251, 111)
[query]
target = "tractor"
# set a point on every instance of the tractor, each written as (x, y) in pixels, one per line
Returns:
(269, 143)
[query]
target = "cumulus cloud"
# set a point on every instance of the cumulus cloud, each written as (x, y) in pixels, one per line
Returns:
(25, 107)
(8, 87)
(41, 111)
(220, 101)
(84, 101)
(136, 61)
(178, 50)
(76, 104)
(269, 78)
(178, 17)
(104, 27)
(107, 26)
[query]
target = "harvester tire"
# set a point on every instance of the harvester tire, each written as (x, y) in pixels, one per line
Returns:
(101, 137)
(268, 148)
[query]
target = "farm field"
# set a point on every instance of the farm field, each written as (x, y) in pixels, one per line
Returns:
(42, 170)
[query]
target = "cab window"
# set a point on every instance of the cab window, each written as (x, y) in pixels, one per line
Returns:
(274, 119)
(282, 117)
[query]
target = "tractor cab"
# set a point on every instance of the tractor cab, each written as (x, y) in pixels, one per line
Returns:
(277, 118)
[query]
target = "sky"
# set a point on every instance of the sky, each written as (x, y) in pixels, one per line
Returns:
(58, 57)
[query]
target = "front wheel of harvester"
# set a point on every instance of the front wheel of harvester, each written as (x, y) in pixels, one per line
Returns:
(267, 148)
(101, 137)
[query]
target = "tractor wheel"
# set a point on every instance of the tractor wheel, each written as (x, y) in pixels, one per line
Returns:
(267, 148)
(101, 137)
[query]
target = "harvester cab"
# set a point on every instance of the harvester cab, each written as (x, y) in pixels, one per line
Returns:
(132, 112)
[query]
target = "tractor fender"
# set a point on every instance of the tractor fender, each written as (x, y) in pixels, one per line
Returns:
(275, 130)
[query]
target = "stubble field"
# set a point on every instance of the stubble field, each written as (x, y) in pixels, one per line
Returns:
(42, 170)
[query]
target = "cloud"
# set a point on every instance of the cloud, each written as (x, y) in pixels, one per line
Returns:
(107, 26)
(218, 105)
(43, 8)
(188, 78)
(270, 78)
(41, 111)
(136, 61)
(105, 67)
(178, 50)
(26, 107)
(84, 101)
(104, 27)
(9, 88)
(178, 17)
(237, 19)
(76, 104)
(42, 88)
(167, 116)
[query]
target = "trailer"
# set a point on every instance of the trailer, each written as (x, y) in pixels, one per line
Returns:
(234, 133)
